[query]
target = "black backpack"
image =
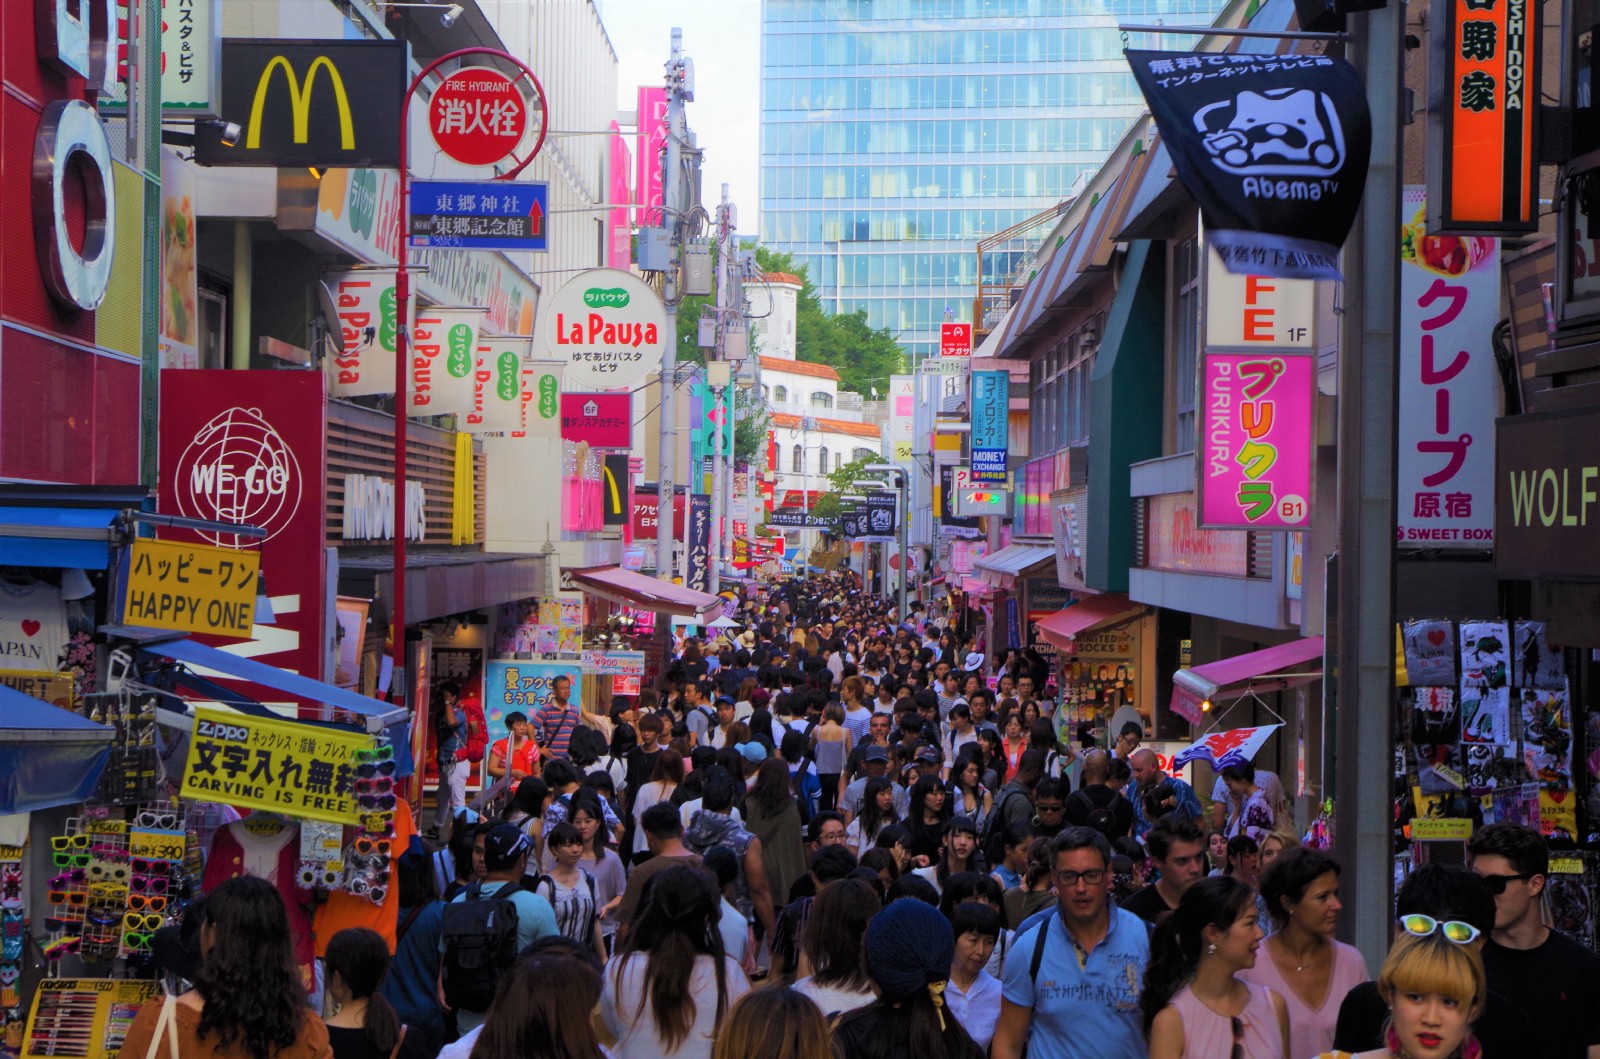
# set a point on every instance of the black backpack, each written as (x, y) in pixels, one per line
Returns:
(993, 839)
(480, 944)
(1103, 818)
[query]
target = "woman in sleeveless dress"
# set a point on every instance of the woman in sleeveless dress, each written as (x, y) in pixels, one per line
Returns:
(1195, 1006)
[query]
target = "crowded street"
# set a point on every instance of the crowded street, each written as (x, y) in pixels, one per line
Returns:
(799, 529)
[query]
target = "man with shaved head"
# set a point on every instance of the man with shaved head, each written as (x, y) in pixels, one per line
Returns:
(1156, 795)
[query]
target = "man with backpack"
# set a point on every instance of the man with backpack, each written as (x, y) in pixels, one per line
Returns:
(1013, 805)
(1097, 805)
(488, 925)
(697, 714)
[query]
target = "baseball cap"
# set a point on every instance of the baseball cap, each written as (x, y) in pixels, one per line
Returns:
(721, 699)
(503, 845)
(752, 752)
(874, 753)
(928, 755)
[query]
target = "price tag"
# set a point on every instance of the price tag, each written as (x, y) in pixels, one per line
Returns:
(1440, 830)
(156, 845)
(106, 826)
(1566, 866)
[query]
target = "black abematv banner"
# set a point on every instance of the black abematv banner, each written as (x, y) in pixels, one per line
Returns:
(796, 517)
(1273, 147)
(321, 103)
(852, 518)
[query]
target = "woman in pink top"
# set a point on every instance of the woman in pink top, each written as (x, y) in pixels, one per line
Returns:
(1194, 1004)
(1301, 962)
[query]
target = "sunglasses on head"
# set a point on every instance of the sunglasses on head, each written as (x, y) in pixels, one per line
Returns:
(1422, 926)
(1496, 884)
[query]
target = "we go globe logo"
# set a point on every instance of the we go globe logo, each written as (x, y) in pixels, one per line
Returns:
(238, 469)
(606, 298)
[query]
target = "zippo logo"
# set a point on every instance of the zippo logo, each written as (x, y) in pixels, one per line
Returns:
(1279, 132)
(227, 733)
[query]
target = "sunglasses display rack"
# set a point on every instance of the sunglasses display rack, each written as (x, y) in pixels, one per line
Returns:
(367, 858)
(13, 920)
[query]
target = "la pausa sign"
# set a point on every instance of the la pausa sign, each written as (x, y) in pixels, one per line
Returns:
(609, 328)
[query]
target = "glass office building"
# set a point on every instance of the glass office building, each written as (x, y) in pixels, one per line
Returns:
(897, 133)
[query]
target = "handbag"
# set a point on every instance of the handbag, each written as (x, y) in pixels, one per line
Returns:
(399, 1041)
(168, 1023)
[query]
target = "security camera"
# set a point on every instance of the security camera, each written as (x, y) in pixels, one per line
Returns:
(451, 13)
(230, 133)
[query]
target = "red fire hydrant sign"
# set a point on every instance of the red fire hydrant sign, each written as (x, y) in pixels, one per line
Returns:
(478, 115)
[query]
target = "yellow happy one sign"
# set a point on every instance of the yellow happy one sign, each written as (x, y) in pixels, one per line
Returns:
(190, 587)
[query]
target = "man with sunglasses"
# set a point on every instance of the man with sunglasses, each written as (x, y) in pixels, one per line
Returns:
(1552, 978)
(1073, 978)
(1451, 899)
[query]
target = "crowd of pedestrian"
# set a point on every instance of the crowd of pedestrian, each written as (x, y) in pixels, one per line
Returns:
(830, 833)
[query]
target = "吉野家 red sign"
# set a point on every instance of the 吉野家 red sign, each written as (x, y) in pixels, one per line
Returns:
(955, 340)
(1486, 178)
(478, 115)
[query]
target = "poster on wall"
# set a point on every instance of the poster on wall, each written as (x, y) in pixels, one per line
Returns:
(180, 328)
(516, 686)
(1449, 384)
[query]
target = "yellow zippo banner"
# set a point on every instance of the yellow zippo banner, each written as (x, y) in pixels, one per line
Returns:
(281, 766)
(190, 587)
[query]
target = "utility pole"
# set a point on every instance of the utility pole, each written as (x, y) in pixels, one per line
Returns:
(1363, 691)
(672, 217)
(718, 382)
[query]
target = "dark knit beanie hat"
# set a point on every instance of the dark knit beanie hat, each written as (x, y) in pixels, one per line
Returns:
(909, 946)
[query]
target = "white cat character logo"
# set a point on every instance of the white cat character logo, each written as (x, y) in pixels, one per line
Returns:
(1278, 132)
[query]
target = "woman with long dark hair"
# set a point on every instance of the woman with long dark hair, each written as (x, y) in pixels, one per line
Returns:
(930, 811)
(832, 942)
(770, 813)
(248, 999)
(542, 1011)
(666, 775)
(671, 983)
(958, 852)
(909, 948)
(364, 1025)
(1193, 1002)
(877, 812)
(967, 792)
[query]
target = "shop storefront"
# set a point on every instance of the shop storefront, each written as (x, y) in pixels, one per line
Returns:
(1105, 648)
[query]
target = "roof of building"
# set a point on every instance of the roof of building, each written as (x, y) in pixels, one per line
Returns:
(782, 277)
(830, 426)
(798, 367)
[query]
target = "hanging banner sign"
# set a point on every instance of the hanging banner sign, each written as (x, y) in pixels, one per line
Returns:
(799, 519)
(604, 420)
(878, 523)
(991, 410)
(1236, 746)
(188, 587)
(367, 308)
(281, 766)
(1274, 148)
(444, 350)
(1257, 436)
(1483, 163)
(609, 327)
(699, 575)
(497, 385)
(1449, 305)
(955, 340)
(541, 399)
(852, 515)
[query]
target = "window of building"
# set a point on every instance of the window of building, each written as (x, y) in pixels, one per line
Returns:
(863, 454)
(798, 463)
(822, 399)
(781, 395)
(1186, 262)
(838, 460)
(822, 460)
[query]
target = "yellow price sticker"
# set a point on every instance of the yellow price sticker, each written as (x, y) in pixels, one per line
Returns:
(1566, 866)
(1440, 830)
(156, 845)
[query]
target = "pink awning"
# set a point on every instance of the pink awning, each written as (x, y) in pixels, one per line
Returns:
(1284, 665)
(646, 593)
(1090, 612)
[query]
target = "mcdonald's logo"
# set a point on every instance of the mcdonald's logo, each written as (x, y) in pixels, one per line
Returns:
(315, 103)
(618, 490)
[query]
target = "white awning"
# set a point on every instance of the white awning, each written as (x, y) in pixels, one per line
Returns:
(1002, 567)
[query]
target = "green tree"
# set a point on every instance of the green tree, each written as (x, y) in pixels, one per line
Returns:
(840, 482)
(863, 357)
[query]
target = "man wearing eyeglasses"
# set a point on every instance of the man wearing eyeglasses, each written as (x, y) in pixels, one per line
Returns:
(1073, 978)
(1551, 977)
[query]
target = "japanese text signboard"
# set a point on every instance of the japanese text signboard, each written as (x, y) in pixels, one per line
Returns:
(1256, 440)
(1273, 147)
(1483, 165)
(1257, 312)
(991, 411)
(608, 326)
(652, 131)
(1449, 304)
(699, 550)
(189, 587)
(190, 71)
(497, 385)
(477, 115)
(444, 351)
(368, 310)
(482, 215)
(955, 340)
(277, 765)
(513, 686)
(604, 420)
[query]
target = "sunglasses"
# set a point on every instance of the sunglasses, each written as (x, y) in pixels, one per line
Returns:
(141, 921)
(1496, 884)
(102, 870)
(147, 902)
(381, 785)
(373, 845)
(110, 891)
(71, 860)
(159, 821)
(1422, 926)
(136, 940)
(73, 898)
(314, 877)
(60, 882)
(60, 842)
(375, 768)
(376, 801)
(377, 753)
(154, 884)
(151, 867)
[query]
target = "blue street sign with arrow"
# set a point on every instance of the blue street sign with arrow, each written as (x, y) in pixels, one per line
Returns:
(478, 215)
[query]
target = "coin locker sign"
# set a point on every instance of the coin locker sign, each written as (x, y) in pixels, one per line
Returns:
(278, 765)
(190, 587)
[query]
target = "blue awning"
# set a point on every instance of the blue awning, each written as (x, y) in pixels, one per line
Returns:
(377, 717)
(48, 756)
(64, 537)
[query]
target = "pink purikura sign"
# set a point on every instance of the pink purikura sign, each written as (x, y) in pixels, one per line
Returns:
(1257, 430)
(652, 134)
(619, 252)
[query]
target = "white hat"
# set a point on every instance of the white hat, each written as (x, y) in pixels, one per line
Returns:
(974, 661)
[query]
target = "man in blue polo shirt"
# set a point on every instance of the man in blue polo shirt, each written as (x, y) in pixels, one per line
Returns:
(1072, 992)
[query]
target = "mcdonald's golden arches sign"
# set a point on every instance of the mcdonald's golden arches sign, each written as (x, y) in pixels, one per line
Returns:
(319, 103)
